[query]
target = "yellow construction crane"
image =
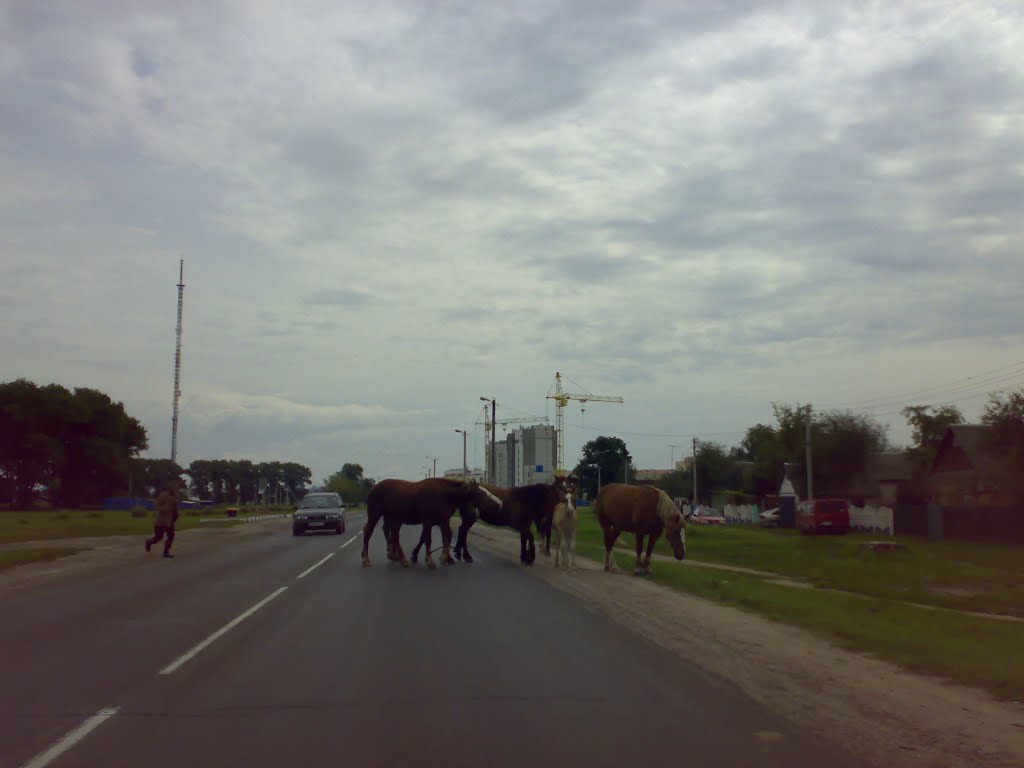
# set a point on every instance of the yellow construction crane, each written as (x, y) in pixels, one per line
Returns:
(561, 400)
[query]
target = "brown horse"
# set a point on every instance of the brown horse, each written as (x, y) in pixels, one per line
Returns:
(521, 508)
(643, 510)
(428, 503)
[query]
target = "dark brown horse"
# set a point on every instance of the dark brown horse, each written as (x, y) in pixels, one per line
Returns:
(428, 503)
(643, 510)
(521, 509)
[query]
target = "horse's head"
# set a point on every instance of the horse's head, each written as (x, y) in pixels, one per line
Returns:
(675, 526)
(480, 497)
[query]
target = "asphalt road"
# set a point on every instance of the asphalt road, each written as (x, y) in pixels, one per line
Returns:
(254, 655)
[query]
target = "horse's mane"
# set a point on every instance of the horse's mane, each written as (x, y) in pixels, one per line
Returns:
(666, 509)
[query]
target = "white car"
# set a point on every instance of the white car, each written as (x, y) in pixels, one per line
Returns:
(770, 517)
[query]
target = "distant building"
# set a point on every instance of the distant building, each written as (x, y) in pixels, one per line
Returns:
(456, 474)
(683, 465)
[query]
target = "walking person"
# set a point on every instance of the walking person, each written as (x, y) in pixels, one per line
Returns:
(166, 517)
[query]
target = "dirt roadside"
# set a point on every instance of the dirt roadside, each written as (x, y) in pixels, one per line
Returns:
(104, 553)
(884, 715)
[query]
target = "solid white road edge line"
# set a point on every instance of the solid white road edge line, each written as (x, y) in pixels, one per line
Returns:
(314, 567)
(75, 736)
(178, 662)
(350, 541)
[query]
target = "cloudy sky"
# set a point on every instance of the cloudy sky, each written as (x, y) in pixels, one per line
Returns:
(387, 210)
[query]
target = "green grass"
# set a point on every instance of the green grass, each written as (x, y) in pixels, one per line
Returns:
(15, 557)
(46, 525)
(965, 649)
(967, 576)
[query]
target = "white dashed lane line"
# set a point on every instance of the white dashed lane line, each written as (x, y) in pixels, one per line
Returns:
(314, 566)
(349, 541)
(175, 665)
(45, 758)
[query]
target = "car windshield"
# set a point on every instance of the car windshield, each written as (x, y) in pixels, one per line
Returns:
(319, 502)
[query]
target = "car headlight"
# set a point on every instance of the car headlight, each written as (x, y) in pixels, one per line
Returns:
(300, 517)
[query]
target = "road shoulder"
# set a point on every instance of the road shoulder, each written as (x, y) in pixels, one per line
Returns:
(885, 715)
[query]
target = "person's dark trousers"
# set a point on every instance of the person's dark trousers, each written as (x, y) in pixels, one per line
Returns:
(159, 532)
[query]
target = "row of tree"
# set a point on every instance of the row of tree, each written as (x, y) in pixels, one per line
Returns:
(843, 444)
(240, 481)
(74, 446)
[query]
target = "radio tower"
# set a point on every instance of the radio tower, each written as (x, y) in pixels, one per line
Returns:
(177, 363)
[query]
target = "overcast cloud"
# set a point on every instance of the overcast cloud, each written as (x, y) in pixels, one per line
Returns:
(388, 210)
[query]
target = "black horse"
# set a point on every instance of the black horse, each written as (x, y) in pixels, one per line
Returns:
(521, 509)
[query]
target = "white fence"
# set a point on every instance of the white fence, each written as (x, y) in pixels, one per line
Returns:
(742, 513)
(874, 519)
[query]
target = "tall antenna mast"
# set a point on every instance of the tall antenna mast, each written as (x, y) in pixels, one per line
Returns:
(177, 363)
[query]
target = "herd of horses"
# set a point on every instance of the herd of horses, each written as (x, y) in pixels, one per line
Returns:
(549, 509)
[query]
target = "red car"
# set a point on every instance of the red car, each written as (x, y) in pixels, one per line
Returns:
(707, 516)
(824, 516)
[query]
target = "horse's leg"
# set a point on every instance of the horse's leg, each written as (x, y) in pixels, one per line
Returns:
(427, 530)
(638, 568)
(463, 542)
(610, 535)
(650, 548)
(531, 549)
(446, 543)
(372, 518)
(558, 546)
(396, 532)
(572, 549)
(418, 547)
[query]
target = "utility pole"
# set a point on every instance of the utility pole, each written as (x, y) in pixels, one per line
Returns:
(672, 466)
(434, 474)
(177, 363)
(810, 474)
(465, 466)
(695, 496)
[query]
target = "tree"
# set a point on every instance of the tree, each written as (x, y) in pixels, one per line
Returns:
(843, 444)
(148, 477)
(929, 424)
(352, 471)
(1004, 413)
(349, 483)
(716, 469)
(611, 455)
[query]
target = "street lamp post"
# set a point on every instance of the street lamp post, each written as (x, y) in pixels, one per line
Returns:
(435, 465)
(465, 466)
(492, 471)
(598, 466)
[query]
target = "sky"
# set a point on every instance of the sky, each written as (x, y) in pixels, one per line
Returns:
(388, 210)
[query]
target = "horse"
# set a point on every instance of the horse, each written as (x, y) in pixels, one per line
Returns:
(567, 485)
(427, 502)
(565, 521)
(521, 508)
(643, 510)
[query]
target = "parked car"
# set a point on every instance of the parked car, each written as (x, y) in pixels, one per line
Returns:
(770, 517)
(319, 512)
(707, 516)
(824, 516)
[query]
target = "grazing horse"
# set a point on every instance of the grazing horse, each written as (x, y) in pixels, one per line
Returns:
(565, 521)
(643, 510)
(428, 503)
(521, 508)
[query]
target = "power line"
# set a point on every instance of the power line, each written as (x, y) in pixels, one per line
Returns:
(991, 376)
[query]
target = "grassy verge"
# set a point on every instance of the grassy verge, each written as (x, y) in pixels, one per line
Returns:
(963, 575)
(965, 649)
(16, 557)
(46, 525)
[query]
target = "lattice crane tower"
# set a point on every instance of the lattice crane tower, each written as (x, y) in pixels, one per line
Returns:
(177, 363)
(561, 400)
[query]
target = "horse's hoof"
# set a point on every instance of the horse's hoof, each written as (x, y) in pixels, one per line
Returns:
(405, 563)
(467, 559)
(431, 564)
(366, 562)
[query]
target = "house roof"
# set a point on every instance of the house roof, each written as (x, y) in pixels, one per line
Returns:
(970, 442)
